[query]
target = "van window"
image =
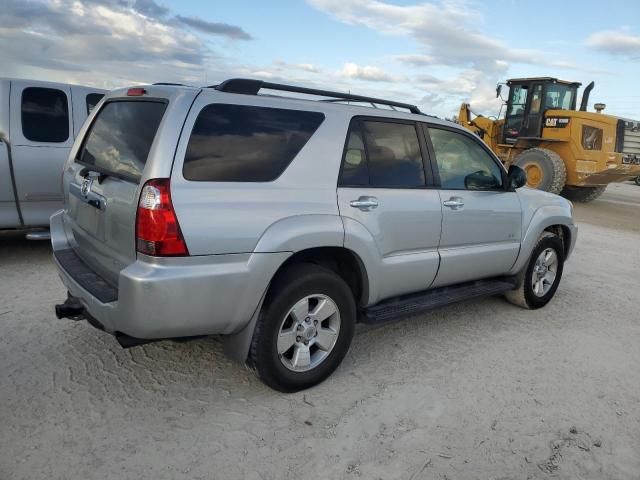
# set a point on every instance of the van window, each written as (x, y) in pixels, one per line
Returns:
(239, 143)
(92, 100)
(120, 138)
(45, 115)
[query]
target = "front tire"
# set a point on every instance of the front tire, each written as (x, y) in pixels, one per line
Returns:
(545, 169)
(637, 180)
(542, 276)
(305, 328)
(583, 194)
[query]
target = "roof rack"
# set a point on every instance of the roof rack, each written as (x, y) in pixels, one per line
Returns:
(170, 84)
(248, 86)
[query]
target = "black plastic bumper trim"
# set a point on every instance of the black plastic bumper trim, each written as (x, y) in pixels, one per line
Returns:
(85, 277)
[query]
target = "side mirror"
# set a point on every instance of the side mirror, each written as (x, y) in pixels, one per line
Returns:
(498, 90)
(517, 177)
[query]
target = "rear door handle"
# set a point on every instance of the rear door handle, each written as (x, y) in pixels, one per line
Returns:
(364, 203)
(454, 203)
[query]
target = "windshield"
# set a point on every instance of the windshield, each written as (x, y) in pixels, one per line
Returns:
(559, 97)
(121, 136)
(517, 100)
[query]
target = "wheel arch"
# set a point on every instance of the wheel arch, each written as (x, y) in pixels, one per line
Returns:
(551, 218)
(344, 262)
(564, 232)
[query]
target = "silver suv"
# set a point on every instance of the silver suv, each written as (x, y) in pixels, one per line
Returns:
(280, 223)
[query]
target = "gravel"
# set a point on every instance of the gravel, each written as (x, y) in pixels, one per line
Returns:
(476, 390)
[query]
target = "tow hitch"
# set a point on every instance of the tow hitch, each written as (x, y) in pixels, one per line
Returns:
(71, 308)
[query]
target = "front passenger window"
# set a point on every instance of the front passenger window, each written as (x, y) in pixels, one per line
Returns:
(462, 163)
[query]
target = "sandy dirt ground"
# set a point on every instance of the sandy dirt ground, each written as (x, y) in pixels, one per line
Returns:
(479, 390)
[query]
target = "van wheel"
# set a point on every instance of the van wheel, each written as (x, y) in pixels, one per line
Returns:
(542, 276)
(583, 194)
(545, 169)
(305, 328)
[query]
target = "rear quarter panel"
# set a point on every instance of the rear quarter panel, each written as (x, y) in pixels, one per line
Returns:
(289, 212)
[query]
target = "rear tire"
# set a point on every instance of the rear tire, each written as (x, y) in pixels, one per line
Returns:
(637, 180)
(583, 194)
(293, 305)
(527, 295)
(545, 169)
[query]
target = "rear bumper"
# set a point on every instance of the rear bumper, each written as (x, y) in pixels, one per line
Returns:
(168, 297)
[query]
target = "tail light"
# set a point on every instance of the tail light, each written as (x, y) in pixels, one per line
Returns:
(157, 229)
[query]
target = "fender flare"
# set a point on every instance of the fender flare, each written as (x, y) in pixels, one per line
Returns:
(301, 232)
(291, 235)
(543, 218)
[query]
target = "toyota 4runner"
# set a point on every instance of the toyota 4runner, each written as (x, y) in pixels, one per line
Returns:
(281, 222)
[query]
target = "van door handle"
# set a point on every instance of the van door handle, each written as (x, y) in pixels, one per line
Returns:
(454, 203)
(364, 203)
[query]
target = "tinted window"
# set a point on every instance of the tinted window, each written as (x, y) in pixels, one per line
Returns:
(559, 97)
(463, 163)
(536, 99)
(393, 154)
(355, 168)
(92, 100)
(121, 136)
(237, 143)
(45, 115)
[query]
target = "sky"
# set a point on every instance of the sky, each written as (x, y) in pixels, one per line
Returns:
(435, 54)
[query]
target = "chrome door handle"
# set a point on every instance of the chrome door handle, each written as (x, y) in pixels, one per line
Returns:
(454, 203)
(364, 203)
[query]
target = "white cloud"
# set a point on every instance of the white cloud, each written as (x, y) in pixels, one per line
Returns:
(445, 30)
(464, 63)
(614, 42)
(368, 73)
(105, 42)
(416, 60)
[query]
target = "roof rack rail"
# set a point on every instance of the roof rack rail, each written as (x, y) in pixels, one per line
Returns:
(248, 86)
(170, 84)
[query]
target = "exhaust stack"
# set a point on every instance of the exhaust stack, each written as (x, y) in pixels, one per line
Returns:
(585, 97)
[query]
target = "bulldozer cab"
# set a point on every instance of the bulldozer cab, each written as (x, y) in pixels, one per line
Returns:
(528, 99)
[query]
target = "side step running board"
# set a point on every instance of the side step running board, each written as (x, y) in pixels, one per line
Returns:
(415, 303)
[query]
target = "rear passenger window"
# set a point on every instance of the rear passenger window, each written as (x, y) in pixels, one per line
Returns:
(238, 143)
(383, 154)
(45, 115)
(92, 100)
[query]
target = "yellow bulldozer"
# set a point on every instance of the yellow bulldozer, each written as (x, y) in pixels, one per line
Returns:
(564, 150)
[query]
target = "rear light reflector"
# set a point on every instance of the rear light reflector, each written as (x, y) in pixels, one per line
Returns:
(157, 229)
(136, 92)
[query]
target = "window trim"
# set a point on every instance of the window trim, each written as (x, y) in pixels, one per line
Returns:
(251, 105)
(505, 180)
(86, 101)
(69, 115)
(356, 123)
(103, 171)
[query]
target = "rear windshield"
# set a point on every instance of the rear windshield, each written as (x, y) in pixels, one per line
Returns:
(121, 136)
(238, 143)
